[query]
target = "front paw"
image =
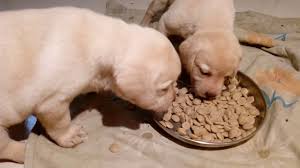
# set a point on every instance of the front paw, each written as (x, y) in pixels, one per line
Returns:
(71, 137)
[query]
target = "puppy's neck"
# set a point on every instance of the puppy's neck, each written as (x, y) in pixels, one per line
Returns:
(110, 51)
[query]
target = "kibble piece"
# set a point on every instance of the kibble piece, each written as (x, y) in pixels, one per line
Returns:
(193, 136)
(244, 91)
(254, 112)
(225, 134)
(200, 118)
(231, 87)
(175, 104)
(227, 128)
(235, 132)
(175, 118)
(208, 121)
(196, 101)
(248, 126)
(181, 131)
(167, 116)
(196, 130)
(251, 120)
(226, 93)
(242, 101)
(189, 102)
(188, 110)
(169, 125)
(214, 129)
(233, 122)
(250, 99)
(227, 140)
(182, 91)
(236, 95)
(208, 137)
(220, 136)
(196, 123)
(207, 126)
(243, 119)
(186, 125)
(191, 96)
(177, 110)
(114, 148)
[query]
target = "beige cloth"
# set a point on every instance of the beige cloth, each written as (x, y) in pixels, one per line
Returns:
(143, 145)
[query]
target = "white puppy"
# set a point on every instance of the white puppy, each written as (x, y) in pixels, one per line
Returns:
(49, 56)
(210, 51)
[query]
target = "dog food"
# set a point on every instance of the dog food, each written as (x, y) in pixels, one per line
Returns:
(229, 117)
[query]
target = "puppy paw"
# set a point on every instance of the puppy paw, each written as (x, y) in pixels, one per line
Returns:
(73, 136)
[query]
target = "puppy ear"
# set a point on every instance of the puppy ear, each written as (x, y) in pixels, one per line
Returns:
(187, 54)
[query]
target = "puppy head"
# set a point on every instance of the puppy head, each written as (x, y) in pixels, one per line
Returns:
(147, 79)
(210, 57)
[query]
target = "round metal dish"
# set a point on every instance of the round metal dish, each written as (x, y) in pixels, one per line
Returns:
(260, 104)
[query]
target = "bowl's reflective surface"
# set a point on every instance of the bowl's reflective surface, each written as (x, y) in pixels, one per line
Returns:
(260, 104)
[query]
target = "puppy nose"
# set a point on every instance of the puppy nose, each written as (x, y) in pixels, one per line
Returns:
(210, 94)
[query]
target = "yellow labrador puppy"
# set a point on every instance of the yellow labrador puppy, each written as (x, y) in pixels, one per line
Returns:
(49, 56)
(210, 51)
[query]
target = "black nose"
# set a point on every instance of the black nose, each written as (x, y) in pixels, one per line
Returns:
(210, 95)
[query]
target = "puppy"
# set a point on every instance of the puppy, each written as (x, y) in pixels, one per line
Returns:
(49, 56)
(210, 51)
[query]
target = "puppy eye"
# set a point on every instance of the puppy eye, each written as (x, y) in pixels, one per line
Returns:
(205, 73)
(205, 70)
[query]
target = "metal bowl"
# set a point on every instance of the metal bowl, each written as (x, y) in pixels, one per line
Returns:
(259, 102)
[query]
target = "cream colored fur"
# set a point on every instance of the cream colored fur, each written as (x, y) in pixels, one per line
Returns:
(207, 27)
(49, 56)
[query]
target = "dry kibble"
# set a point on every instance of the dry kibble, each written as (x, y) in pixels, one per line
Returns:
(186, 125)
(250, 99)
(244, 91)
(200, 118)
(196, 101)
(243, 119)
(227, 118)
(225, 134)
(181, 131)
(175, 104)
(226, 140)
(235, 132)
(214, 129)
(115, 148)
(248, 126)
(208, 137)
(175, 118)
(231, 87)
(182, 91)
(167, 116)
(169, 124)
(177, 110)
(207, 127)
(195, 122)
(193, 136)
(220, 136)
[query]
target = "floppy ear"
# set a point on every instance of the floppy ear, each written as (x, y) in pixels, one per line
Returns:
(187, 54)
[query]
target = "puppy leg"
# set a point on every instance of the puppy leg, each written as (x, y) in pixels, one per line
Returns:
(10, 149)
(55, 116)
(154, 7)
